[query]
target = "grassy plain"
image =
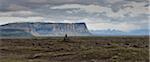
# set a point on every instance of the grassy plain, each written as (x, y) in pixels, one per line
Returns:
(76, 49)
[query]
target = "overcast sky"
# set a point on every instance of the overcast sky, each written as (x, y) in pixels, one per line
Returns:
(124, 15)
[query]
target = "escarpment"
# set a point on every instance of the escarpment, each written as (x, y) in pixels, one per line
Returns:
(45, 29)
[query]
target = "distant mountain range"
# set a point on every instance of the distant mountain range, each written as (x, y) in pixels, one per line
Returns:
(109, 32)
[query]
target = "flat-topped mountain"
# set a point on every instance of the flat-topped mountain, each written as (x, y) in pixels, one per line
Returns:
(44, 29)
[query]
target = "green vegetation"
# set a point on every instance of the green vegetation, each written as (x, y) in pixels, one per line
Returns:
(76, 49)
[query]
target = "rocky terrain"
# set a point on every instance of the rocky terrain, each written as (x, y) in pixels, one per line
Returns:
(76, 49)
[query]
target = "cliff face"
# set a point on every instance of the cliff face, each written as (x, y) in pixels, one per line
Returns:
(50, 29)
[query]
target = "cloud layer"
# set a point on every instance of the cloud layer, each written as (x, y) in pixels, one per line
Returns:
(124, 15)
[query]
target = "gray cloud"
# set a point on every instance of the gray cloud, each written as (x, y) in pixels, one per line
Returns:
(110, 11)
(138, 0)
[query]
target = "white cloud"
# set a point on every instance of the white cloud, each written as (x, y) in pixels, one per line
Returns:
(120, 26)
(135, 9)
(5, 20)
(18, 13)
(113, 1)
(132, 8)
(87, 8)
(93, 25)
(39, 1)
(14, 7)
(90, 9)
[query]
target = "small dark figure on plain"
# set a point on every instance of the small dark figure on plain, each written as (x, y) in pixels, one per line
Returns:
(66, 38)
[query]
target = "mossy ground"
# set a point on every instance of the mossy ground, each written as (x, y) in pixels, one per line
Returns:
(77, 49)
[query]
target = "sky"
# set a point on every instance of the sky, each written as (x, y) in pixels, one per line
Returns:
(123, 15)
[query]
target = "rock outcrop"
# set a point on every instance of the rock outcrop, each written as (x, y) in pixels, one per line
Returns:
(49, 29)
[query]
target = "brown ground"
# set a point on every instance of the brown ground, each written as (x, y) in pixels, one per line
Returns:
(76, 49)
